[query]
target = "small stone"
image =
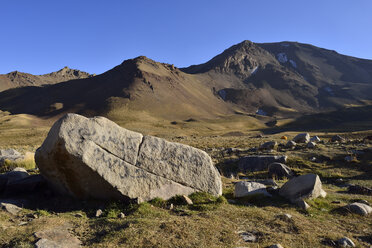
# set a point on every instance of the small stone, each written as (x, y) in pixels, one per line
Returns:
(248, 237)
(268, 145)
(170, 207)
(121, 215)
(291, 144)
(22, 223)
(337, 138)
(359, 208)
(345, 242)
(311, 145)
(10, 208)
(285, 217)
(99, 213)
(276, 246)
(315, 139)
(187, 200)
(45, 243)
(301, 204)
(302, 138)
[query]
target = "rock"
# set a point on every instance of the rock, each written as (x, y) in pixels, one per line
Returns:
(259, 163)
(121, 215)
(302, 138)
(306, 186)
(171, 206)
(363, 201)
(345, 242)
(301, 204)
(95, 158)
(311, 145)
(276, 246)
(10, 208)
(243, 188)
(349, 158)
(248, 237)
(291, 144)
(268, 145)
(99, 213)
(25, 185)
(279, 170)
(45, 243)
(315, 139)
(359, 208)
(187, 200)
(79, 215)
(9, 154)
(337, 138)
(14, 175)
(285, 217)
(357, 189)
(58, 237)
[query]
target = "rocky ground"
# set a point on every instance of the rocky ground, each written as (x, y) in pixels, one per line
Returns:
(34, 216)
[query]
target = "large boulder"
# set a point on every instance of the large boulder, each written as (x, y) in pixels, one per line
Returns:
(302, 138)
(306, 186)
(95, 158)
(259, 162)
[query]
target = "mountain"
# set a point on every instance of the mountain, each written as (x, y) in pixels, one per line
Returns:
(277, 79)
(19, 79)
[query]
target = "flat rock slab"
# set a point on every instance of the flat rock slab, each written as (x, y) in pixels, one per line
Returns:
(96, 158)
(249, 188)
(10, 208)
(259, 162)
(56, 238)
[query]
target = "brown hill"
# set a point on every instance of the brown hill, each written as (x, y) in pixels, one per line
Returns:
(281, 79)
(20, 79)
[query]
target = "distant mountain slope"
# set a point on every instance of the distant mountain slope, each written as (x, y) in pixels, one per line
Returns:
(138, 84)
(279, 79)
(288, 76)
(19, 79)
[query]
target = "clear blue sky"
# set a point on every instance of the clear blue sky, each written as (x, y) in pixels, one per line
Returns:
(41, 36)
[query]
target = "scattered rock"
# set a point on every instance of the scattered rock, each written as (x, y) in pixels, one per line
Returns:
(243, 188)
(302, 138)
(315, 139)
(357, 189)
(248, 237)
(99, 213)
(291, 144)
(306, 186)
(95, 158)
(268, 145)
(10, 208)
(259, 163)
(337, 138)
(359, 208)
(122, 215)
(187, 200)
(285, 217)
(9, 154)
(301, 203)
(279, 170)
(58, 237)
(311, 145)
(345, 242)
(276, 246)
(79, 215)
(170, 207)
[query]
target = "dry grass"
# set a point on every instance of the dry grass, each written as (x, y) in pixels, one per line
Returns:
(210, 222)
